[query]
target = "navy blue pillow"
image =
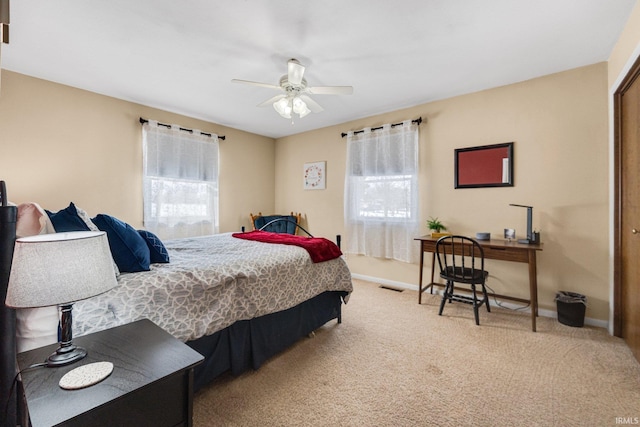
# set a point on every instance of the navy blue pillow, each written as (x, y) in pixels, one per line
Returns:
(129, 250)
(67, 220)
(157, 250)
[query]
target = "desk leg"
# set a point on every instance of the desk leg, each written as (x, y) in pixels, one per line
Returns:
(433, 269)
(533, 288)
(420, 280)
(433, 266)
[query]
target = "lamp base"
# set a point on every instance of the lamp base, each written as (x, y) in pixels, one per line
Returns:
(66, 355)
(67, 352)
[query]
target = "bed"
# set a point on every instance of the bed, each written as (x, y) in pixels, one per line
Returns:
(238, 302)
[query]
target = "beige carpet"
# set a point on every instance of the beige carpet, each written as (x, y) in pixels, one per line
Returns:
(393, 362)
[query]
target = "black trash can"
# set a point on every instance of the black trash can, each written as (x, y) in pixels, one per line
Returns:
(571, 308)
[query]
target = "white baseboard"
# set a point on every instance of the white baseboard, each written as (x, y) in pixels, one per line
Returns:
(541, 312)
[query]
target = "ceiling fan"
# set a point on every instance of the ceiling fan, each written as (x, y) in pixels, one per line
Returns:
(295, 97)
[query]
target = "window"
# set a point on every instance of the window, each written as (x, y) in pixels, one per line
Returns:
(180, 183)
(381, 192)
(384, 197)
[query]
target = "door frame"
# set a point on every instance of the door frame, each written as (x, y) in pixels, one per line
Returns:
(632, 74)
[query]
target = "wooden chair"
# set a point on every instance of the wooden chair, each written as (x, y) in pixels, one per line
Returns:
(277, 223)
(461, 260)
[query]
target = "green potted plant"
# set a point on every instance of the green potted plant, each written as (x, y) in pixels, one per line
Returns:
(436, 227)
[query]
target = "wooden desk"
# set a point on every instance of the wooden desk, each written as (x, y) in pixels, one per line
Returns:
(493, 249)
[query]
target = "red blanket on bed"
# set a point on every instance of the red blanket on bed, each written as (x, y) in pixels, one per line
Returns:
(319, 248)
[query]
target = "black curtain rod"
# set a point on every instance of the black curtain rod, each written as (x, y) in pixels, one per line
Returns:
(143, 121)
(416, 121)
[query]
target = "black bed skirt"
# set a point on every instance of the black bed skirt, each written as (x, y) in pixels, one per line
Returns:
(247, 344)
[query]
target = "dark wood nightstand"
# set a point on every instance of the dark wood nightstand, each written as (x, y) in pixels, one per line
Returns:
(151, 383)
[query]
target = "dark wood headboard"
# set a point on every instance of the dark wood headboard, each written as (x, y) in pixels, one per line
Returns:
(8, 216)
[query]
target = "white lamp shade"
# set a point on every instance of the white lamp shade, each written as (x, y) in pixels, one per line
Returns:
(60, 268)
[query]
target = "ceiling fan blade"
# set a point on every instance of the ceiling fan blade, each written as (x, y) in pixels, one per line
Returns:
(331, 90)
(248, 82)
(295, 72)
(313, 105)
(270, 101)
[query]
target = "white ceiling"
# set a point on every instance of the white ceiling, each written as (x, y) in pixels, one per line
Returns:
(180, 56)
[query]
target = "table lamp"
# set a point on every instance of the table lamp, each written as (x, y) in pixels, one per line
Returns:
(60, 269)
(532, 237)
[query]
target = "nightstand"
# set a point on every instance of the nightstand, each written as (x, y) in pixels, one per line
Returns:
(151, 383)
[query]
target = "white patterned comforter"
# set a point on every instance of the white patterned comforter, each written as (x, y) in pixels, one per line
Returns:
(210, 283)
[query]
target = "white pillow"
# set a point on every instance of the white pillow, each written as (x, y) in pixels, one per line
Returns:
(87, 220)
(32, 220)
(35, 327)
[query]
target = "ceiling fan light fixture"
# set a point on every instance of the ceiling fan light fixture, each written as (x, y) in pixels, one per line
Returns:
(300, 107)
(283, 107)
(304, 113)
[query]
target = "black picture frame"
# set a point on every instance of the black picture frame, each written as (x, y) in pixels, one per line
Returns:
(484, 166)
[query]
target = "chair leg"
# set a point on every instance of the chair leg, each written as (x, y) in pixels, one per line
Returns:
(486, 297)
(446, 294)
(475, 304)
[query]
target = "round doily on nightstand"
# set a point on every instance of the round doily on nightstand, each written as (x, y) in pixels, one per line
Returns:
(86, 375)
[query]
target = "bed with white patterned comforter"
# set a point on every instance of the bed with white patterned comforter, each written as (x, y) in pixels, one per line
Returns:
(210, 283)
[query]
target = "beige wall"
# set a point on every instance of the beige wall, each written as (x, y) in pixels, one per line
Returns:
(559, 126)
(59, 144)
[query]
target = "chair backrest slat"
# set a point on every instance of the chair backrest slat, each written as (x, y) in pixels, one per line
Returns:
(459, 255)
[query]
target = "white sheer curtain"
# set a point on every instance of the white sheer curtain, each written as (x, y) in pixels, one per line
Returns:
(180, 182)
(381, 192)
